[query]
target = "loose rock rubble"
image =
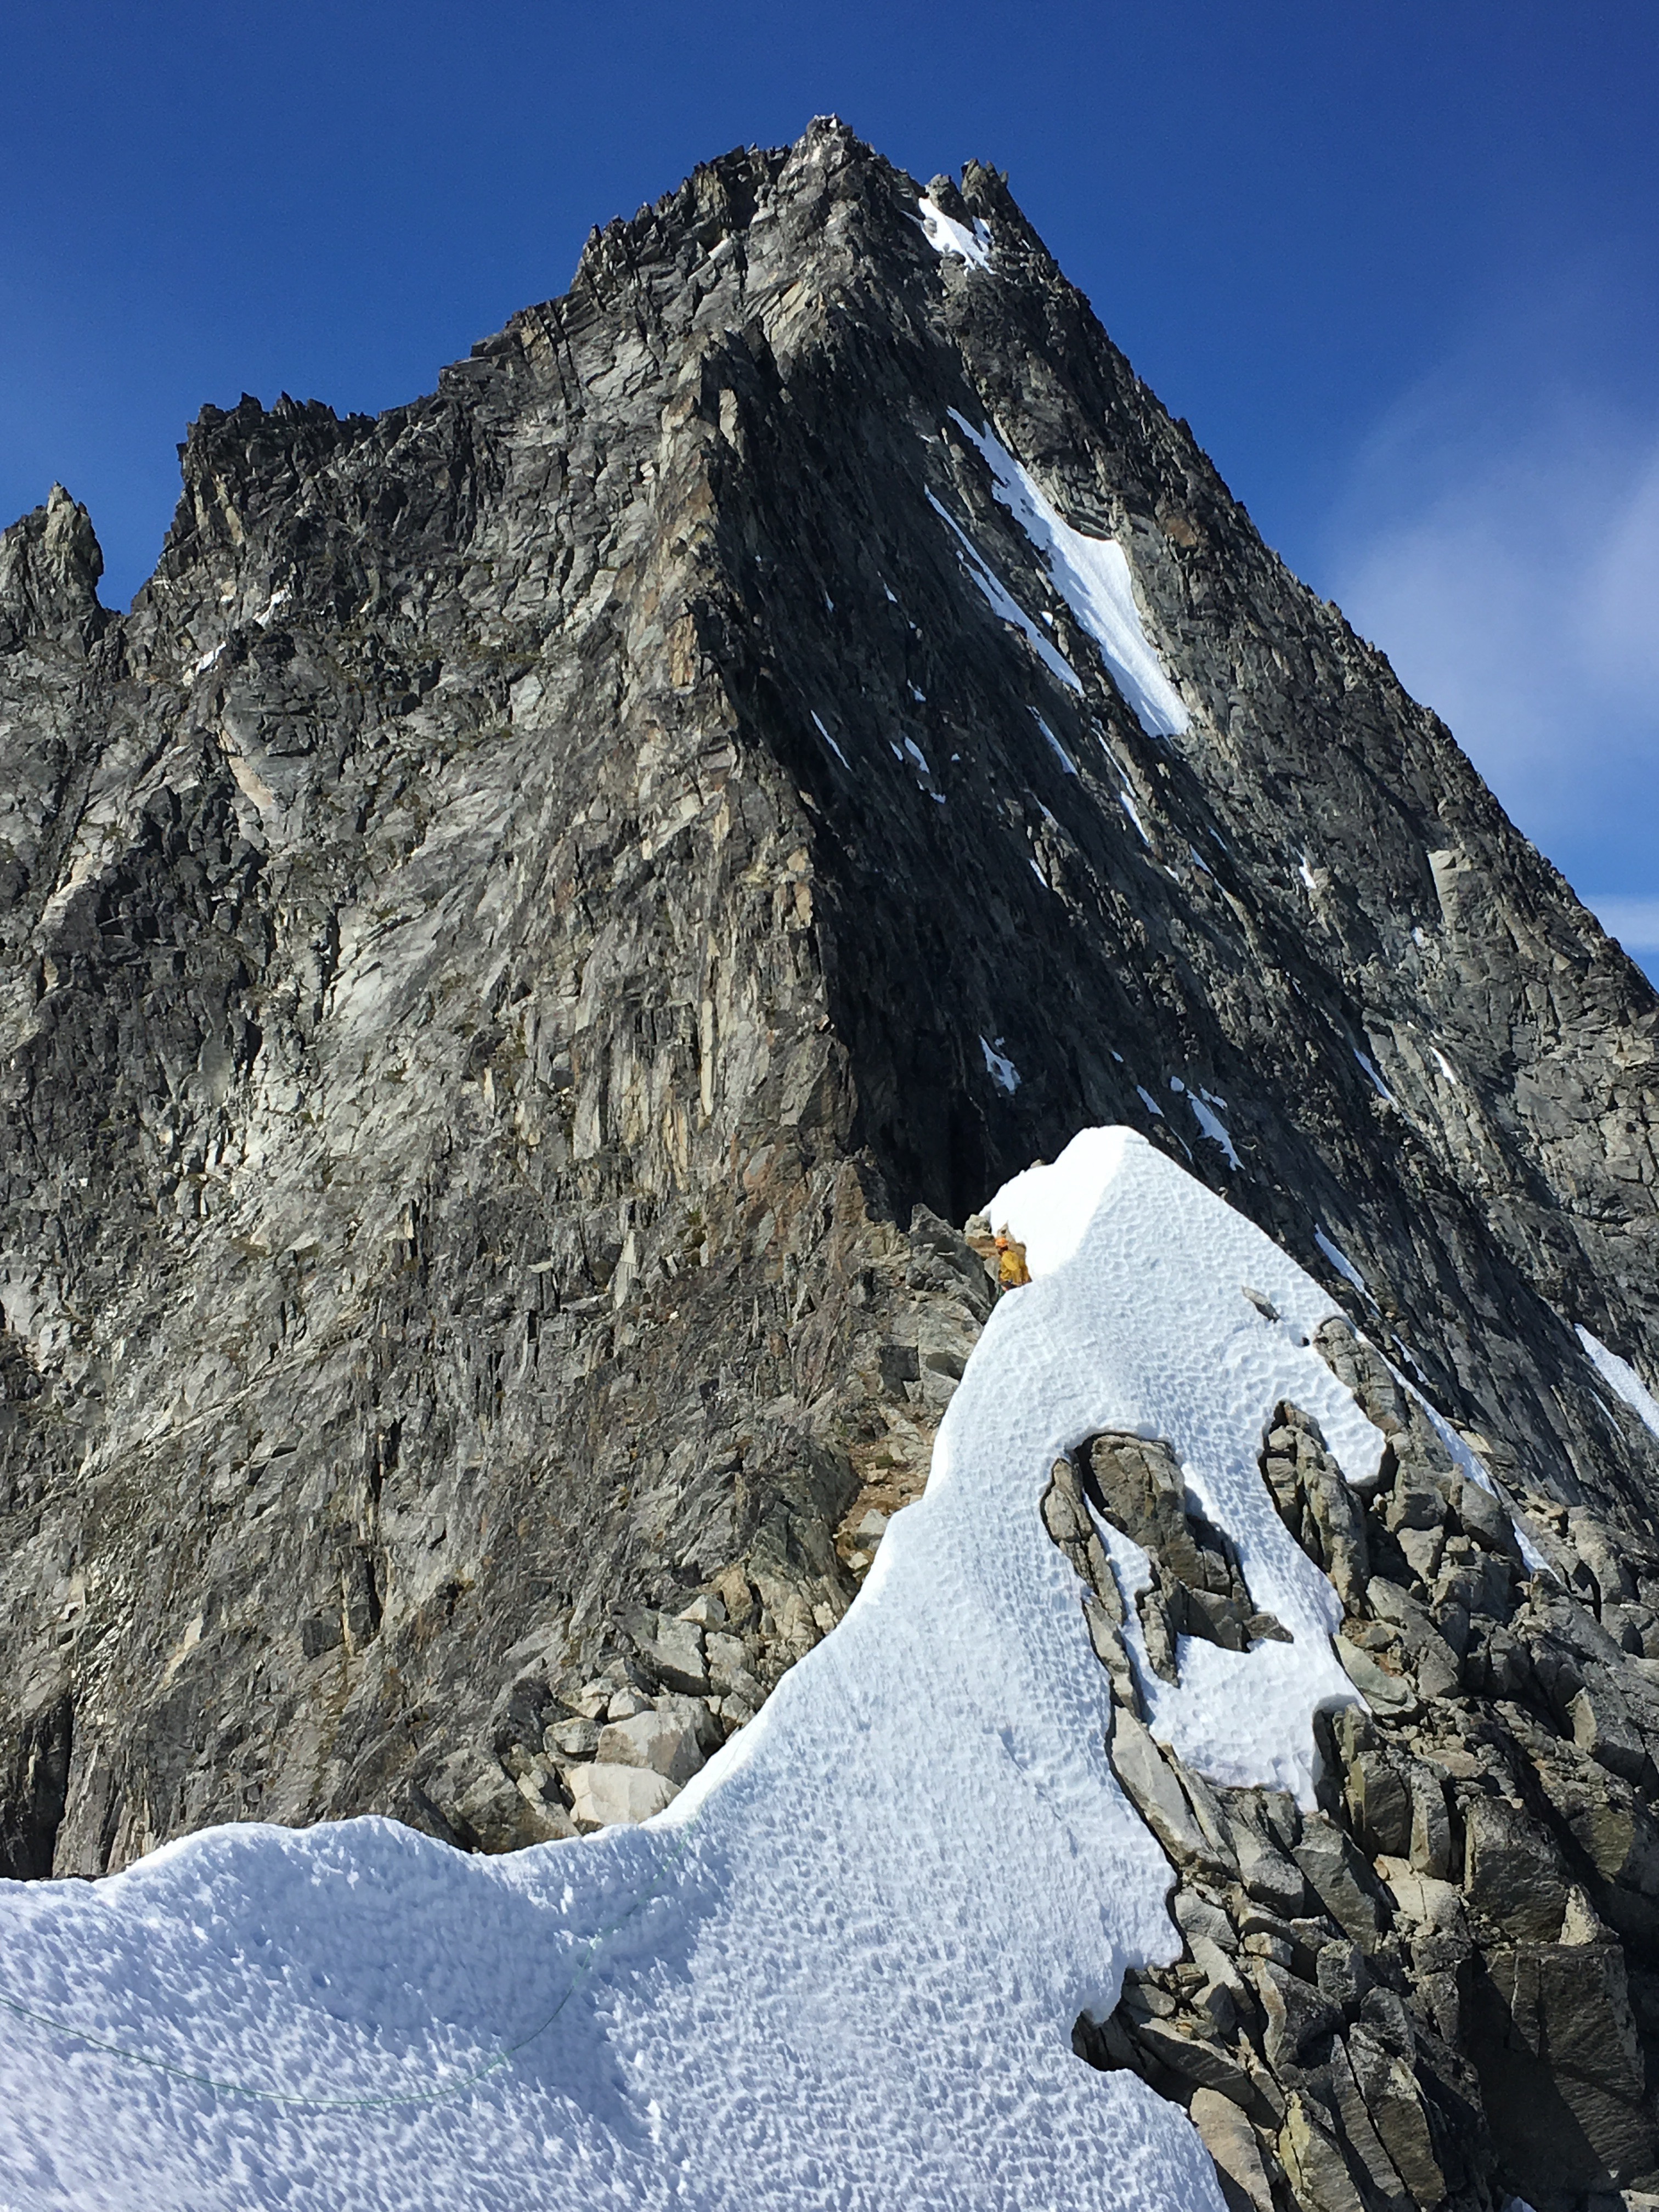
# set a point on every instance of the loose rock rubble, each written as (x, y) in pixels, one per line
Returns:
(1441, 1987)
(572, 1747)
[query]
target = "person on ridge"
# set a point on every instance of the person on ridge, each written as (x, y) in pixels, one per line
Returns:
(1012, 1270)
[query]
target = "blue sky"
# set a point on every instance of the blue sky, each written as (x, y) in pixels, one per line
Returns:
(1395, 262)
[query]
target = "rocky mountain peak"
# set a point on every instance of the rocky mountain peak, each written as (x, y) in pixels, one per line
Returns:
(50, 564)
(524, 955)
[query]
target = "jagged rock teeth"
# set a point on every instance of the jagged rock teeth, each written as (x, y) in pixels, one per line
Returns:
(1444, 1984)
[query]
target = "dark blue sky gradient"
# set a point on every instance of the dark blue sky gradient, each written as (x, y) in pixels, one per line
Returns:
(1294, 218)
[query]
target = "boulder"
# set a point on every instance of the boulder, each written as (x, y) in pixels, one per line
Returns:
(1267, 1876)
(1385, 1689)
(662, 1742)
(1602, 1725)
(1313, 2160)
(570, 1739)
(1158, 1796)
(1364, 2145)
(1560, 2067)
(1513, 1874)
(1341, 1880)
(605, 1795)
(1396, 2107)
(676, 1655)
(1299, 2020)
(1231, 2143)
(483, 1808)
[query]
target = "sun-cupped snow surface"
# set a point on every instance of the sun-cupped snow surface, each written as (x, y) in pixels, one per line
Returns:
(1091, 574)
(946, 235)
(1623, 1379)
(842, 1969)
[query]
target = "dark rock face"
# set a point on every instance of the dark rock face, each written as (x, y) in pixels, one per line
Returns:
(515, 951)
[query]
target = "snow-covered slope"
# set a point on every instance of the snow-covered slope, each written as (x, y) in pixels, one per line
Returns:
(843, 1969)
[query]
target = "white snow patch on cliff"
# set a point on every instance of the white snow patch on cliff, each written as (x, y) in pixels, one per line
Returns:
(1339, 1260)
(829, 741)
(1005, 605)
(946, 235)
(1056, 746)
(1002, 1070)
(1378, 1083)
(1212, 1124)
(1134, 812)
(1469, 1464)
(1091, 574)
(1622, 1378)
(853, 1949)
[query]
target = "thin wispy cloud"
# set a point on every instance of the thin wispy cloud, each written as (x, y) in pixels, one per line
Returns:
(1633, 921)
(1500, 540)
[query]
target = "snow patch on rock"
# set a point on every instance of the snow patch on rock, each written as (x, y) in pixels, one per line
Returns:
(1623, 1379)
(998, 1067)
(946, 235)
(1091, 574)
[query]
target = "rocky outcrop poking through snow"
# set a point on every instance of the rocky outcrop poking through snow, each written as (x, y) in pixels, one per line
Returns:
(1200, 1589)
(1442, 1985)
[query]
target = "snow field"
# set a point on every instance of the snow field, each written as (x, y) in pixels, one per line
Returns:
(842, 1970)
